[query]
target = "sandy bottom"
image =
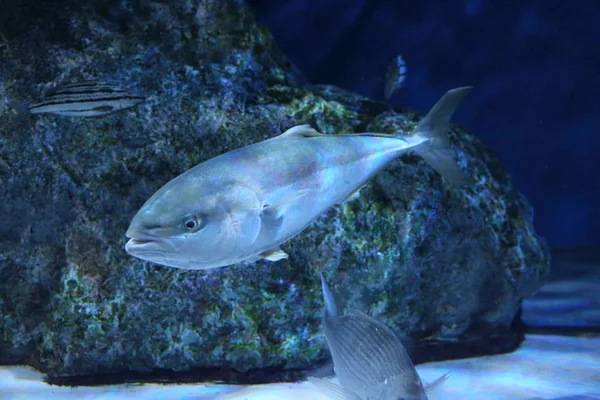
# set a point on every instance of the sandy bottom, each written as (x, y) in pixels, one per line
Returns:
(570, 299)
(545, 367)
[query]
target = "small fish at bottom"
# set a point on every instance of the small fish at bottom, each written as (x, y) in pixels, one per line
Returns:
(368, 358)
(86, 99)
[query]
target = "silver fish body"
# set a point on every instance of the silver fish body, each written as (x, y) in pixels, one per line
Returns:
(86, 99)
(369, 360)
(242, 205)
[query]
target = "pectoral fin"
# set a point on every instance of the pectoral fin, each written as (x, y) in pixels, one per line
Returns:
(332, 390)
(274, 255)
(437, 383)
(281, 206)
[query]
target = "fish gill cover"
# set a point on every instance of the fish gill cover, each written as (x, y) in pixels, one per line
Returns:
(446, 266)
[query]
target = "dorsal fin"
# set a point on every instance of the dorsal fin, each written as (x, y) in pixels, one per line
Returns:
(329, 299)
(300, 130)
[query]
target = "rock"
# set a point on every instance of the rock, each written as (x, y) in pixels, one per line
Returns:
(445, 266)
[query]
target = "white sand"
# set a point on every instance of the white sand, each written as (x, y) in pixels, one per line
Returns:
(546, 367)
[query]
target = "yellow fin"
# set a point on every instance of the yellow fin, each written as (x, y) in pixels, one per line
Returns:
(275, 254)
(354, 195)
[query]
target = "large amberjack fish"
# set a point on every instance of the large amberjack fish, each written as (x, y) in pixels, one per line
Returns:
(368, 359)
(85, 99)
(242, 205)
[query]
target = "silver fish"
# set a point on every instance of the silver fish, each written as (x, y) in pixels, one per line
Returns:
(395, 76)
(369, 360)
(242, 205)
(86, 99)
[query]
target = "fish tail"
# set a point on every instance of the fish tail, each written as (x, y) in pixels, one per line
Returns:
(21, 108)
(330, 306)
(22, 112)
(434, 127)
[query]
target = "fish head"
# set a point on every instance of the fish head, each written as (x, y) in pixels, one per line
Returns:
(191, 226)
(405, 386)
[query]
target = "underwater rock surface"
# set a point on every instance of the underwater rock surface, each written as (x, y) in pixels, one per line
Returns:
(445, 266)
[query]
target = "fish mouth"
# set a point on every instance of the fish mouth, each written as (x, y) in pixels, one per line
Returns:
(140, 242)
(137, 246)
(148, 246)
(144, 245)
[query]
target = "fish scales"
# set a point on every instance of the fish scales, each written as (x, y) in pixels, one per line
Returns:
(328, 168)
(364, 351)
(85, 94)
(317, 163)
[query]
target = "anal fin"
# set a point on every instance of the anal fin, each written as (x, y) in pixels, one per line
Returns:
(437, 383)
(354, 195)
(275, 254)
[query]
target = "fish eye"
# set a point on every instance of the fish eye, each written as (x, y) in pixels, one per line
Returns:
(191, 223)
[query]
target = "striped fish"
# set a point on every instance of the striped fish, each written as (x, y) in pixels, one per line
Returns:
(86, 99)
(395, 76)
(368, 359)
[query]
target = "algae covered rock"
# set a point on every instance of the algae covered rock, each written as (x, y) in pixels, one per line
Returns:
(446, 266)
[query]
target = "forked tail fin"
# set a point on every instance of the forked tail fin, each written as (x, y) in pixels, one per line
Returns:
(436, 150)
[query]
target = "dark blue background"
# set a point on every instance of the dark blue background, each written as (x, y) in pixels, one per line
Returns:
(535, 66)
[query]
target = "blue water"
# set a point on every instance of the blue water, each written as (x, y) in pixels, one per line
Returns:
(534, 65)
